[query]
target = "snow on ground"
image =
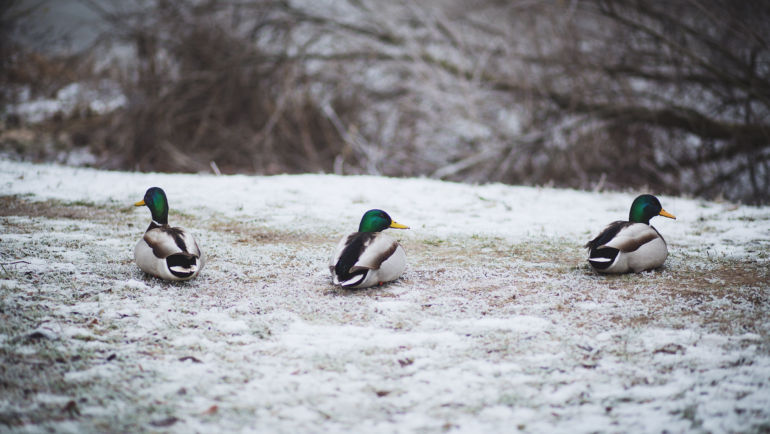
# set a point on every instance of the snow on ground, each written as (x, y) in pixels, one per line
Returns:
(497, 325)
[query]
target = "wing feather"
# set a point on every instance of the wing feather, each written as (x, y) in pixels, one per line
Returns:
(165, 241)
(632, 237)
(376, 251)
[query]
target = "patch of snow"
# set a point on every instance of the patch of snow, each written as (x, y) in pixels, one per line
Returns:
(480, 335)
(9, 284)
(513, 213)
(133, 284)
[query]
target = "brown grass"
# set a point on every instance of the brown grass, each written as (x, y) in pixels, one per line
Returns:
(17, 206)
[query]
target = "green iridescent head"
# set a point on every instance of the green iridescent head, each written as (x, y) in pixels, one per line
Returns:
(376, 220)
(646, 207)
(155, 199)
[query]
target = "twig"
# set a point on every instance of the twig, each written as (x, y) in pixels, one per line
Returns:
(14, 262)
(214, 168)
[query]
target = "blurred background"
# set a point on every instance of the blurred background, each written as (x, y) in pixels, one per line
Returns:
(660, 96)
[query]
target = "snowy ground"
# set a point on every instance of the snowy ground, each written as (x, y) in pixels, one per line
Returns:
(498, 325)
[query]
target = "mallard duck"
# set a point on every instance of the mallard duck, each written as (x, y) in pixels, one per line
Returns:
(368, 257)
(633, 245)
(166, 252)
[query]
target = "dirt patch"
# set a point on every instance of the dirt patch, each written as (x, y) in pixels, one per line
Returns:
(246, 233)
(17, 206)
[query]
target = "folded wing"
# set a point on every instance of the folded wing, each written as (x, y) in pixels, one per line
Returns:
(358, 253)
(632, 237)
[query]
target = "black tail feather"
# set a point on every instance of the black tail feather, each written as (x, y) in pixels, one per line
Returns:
(187, 262)
(361, 276)
(603, 258)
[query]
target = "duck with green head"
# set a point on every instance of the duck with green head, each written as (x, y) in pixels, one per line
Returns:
(170, 253)
(633, 245)
(368, 257)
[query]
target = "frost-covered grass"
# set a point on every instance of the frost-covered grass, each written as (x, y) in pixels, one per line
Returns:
(498, 325)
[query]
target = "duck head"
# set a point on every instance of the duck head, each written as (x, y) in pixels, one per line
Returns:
(646, 207)
(155, 199)
(376, 220)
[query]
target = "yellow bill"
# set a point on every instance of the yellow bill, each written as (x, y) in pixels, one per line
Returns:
(397, 225)
(665, 213)
(140, 203)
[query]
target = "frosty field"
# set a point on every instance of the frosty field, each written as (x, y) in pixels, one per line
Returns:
(498, 324)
